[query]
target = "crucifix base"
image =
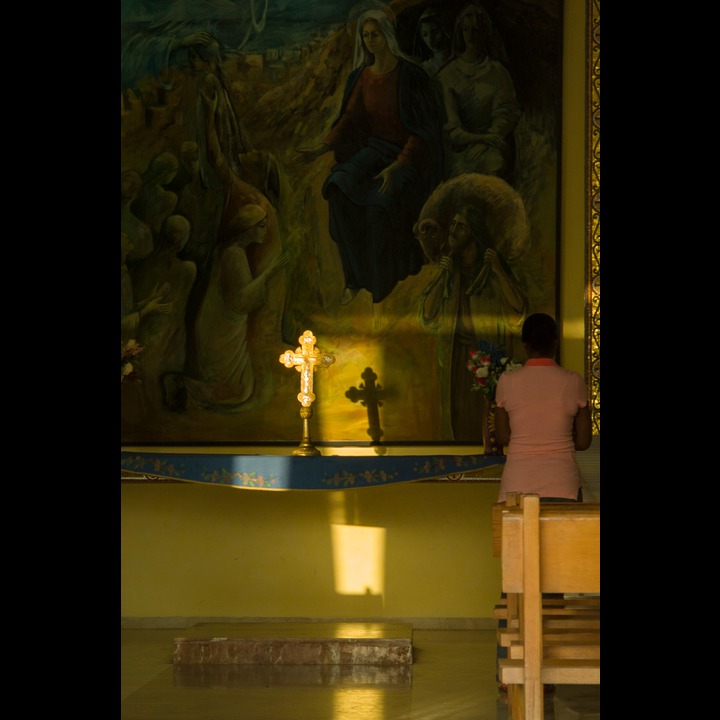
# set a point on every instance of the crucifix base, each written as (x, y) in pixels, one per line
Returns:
(306, 447)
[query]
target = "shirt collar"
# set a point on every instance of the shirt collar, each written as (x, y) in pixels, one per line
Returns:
(540, 362)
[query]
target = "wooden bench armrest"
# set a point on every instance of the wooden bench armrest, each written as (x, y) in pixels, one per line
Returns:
(554, 671)
(565, 649)
(507, 636)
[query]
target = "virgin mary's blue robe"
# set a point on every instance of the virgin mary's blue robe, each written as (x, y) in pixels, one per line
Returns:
(374, 231)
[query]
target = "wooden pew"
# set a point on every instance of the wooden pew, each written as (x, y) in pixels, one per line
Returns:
(547, 548)
(571, 625)
(567, 610)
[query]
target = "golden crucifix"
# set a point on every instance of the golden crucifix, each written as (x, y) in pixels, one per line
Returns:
(306, 360)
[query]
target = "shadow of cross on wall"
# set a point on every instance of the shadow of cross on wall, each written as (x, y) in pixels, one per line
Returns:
(369, 394)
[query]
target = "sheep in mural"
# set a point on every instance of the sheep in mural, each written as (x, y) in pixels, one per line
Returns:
(508, 229)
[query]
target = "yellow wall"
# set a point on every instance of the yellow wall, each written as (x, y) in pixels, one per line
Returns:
(572, 207)
(197, 551)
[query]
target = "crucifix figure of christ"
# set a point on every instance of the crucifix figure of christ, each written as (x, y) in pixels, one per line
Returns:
(306, 360)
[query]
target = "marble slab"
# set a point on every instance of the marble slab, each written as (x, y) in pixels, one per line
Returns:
(291, 675)
(384, 644)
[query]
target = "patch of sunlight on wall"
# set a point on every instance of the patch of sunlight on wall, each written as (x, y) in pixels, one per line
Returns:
(358, 559)
(572, 344)
(573, 328)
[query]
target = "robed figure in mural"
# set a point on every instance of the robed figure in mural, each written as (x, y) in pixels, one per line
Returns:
(387, 143)
(479, 292)
(480, 104)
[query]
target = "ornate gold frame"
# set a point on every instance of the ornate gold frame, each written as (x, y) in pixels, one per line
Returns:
(592, 185)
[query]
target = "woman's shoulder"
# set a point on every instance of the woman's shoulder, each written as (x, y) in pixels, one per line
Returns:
(558, 369)
(527, 370)
(570, 376)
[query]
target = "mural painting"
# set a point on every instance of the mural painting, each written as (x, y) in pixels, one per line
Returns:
(383, 174)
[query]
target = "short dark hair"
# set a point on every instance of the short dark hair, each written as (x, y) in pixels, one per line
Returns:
(540, 332)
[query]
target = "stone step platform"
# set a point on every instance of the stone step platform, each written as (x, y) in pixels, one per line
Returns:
(295, 643)
(228, 676)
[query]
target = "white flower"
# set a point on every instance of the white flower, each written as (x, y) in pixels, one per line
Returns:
(487, 363)
(128, 351)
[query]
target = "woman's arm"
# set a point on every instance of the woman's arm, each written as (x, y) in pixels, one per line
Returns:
(502, 426)
(582, 428)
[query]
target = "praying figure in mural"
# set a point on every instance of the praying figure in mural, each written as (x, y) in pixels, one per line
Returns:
(164, 336)
(478, 293)
(202, 204)
(387, 146)
(226, 377)
(207, 74)
(132, 312)
(155, 202)
(481, 108)
(138, 232)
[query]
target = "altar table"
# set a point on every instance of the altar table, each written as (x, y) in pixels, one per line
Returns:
(291, 472)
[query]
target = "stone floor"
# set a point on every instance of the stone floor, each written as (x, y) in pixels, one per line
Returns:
(452, 677)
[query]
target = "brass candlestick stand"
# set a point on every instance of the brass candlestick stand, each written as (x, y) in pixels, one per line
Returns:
(306, 360)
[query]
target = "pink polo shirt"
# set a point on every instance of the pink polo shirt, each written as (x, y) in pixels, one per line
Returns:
(541, 400)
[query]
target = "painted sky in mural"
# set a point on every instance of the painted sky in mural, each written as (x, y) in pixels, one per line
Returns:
(285, 22)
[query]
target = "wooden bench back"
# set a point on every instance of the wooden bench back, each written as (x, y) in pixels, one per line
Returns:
(545, 548)
(567, 540)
